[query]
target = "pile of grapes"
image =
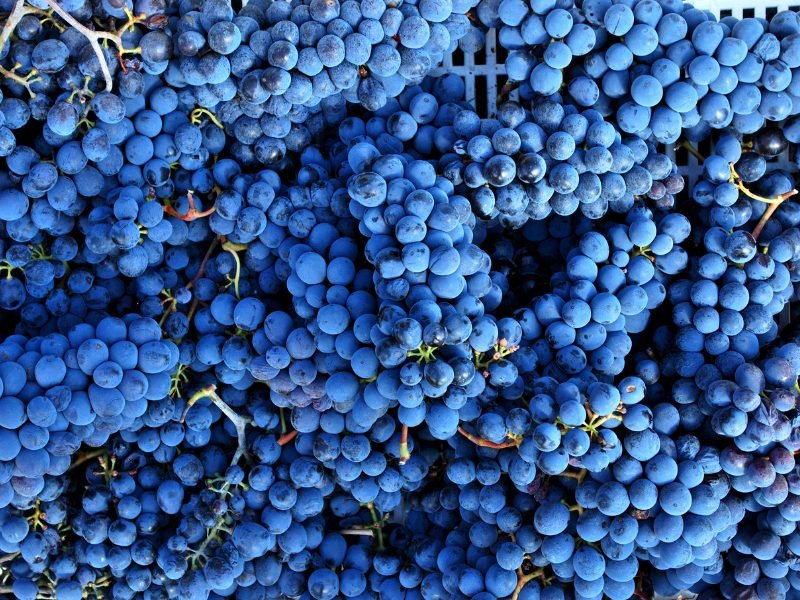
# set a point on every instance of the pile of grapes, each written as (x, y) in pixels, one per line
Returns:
(285, 316)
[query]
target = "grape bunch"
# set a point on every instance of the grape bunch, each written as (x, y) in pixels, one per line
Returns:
(628, 61)
(555, 159)
(544, 37)
(61, 391)
(269, 67)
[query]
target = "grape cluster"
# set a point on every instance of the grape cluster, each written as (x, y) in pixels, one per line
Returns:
(628, 61)
(556, 159)
(270, 67)
(61, 391)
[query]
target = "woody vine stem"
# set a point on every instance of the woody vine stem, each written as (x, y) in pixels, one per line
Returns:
(93, 37)
(240, 423)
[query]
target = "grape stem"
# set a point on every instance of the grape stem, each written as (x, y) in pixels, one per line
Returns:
(108, 464)
(170, 304)
(283, 420)
(579, 475)
(287, 437)
(94, 38)
(239, 422)
(26, 81)
(486, 443)
(377, 525)
(202, 268)
(767, 214)
(773, 203)
(364, 532)
(87, 457)
(597, 421)
(508, 87)
(405, 455)
(211, 535)
(233, 248)
(179, 378)
(196, 117)
(6, 267)
(200, 272)
(776, 201)
(693, 151)
(523, 579)
(484, 359)
(192, 214)
(424, 353)
(573, 507)
(14, 17)
(36, 519)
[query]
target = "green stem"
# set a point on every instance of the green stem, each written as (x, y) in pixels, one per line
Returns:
(233, 249)
(211, 535)
(736, 180)
(378, 525)
(692, 150)
(424, 353)
(86, 457)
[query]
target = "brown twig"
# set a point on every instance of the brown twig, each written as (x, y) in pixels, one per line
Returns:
(200, 272)
(193, 309)
(86, 457)
(486, 443)
(202, 268)
(773, 206)
(287, 437)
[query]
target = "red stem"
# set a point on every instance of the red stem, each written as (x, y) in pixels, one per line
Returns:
(405, 455)
(203, 264)
(192, 214)
(486, 443)
(287, 437)
(771, 208)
